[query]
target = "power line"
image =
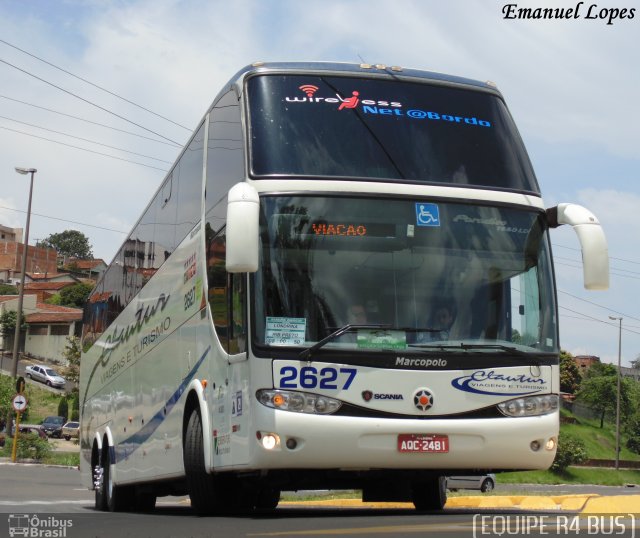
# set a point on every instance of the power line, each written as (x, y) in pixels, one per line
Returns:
(627, 316)
(83, 149)
(87, 101)
(586, 317)
(611, 272)
(85, 140)
(90, 121)
(94, 85)
(610, 257)
(613, 268)
(66, 220)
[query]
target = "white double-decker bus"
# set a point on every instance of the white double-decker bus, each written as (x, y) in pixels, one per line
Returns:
(345, 281)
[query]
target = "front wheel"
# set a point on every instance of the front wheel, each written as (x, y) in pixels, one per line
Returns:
(204, 496)
(430, 495)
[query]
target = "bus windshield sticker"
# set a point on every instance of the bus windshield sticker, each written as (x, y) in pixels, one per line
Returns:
(377, 339)
(427, 214)
(285, 331)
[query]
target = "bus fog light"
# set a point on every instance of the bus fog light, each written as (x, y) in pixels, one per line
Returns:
(269, 441)
(535, 446)
(291, 443)
(551, 444)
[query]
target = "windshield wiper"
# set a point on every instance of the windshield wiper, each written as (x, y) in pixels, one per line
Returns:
(470, 347)
(306, 354)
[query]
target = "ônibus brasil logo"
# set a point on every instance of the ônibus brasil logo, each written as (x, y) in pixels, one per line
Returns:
(342, 102)
(382, 107)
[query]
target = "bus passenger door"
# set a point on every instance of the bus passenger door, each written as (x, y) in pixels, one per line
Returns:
(238, 368)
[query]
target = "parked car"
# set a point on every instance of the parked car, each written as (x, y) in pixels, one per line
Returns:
(52, 426)
(45, 375)
(484, 483)
(70, 429)
(27, 428)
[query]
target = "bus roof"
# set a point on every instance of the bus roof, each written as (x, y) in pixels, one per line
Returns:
(376, 70)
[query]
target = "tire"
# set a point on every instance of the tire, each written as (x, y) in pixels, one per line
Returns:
(487, 485)
(267, 499)
(67, 438)
(204, 499)
(49, 384)
(430, 495)
(29, 376)
(116, 498)
(100, 487)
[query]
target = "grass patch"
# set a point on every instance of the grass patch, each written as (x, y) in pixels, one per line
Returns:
(573, 475)
(600, 443)
(70, 459)
(42, 403)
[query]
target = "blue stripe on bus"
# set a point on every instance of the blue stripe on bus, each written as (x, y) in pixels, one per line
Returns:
(127, 447)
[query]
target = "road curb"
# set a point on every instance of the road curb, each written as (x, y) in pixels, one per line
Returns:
(582, 503)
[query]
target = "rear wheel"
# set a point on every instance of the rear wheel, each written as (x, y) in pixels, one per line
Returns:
(203, 494)
(113, 498)
(99, 487)
(430, 495)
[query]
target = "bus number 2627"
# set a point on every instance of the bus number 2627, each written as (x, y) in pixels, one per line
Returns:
(309, 377)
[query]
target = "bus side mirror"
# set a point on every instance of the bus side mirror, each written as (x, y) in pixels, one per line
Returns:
(595, 253)
(243, 208)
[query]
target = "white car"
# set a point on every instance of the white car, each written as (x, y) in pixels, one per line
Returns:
(45, 375)
(484, 483)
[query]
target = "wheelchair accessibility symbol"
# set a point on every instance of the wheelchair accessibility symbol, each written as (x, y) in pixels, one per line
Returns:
(427, 214)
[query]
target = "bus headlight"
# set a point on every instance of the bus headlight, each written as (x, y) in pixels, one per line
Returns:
(298, 402)
(530, 406)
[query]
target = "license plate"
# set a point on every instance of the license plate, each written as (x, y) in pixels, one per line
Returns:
(414, 442)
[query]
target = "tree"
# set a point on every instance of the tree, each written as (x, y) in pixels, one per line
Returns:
(8, 289)
(75, 295)
(569, 373)
(72, 354)
(600, 394)
(8, 322)
(70, 243)
(633, 433)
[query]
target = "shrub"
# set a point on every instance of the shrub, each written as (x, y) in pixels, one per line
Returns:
(30, 446)
(571, 451)
(63, 407)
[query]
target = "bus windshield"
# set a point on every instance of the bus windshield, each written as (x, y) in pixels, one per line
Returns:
(323, 126)
(406, 275)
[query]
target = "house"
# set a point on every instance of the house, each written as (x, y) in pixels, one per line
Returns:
(39, 259)
(50, 277)
(46, 290)
(48, 327)
(92, 269)
(585, 362)
(9, 303)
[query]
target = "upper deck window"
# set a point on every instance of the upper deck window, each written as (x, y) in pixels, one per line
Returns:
(319, 126)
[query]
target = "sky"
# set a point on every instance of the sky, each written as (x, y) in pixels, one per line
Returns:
(572, 85)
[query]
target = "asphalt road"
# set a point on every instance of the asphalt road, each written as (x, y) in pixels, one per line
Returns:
(52, 496)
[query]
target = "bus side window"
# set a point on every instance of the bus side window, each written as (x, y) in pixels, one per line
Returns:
(225, 150)
(189, 186)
